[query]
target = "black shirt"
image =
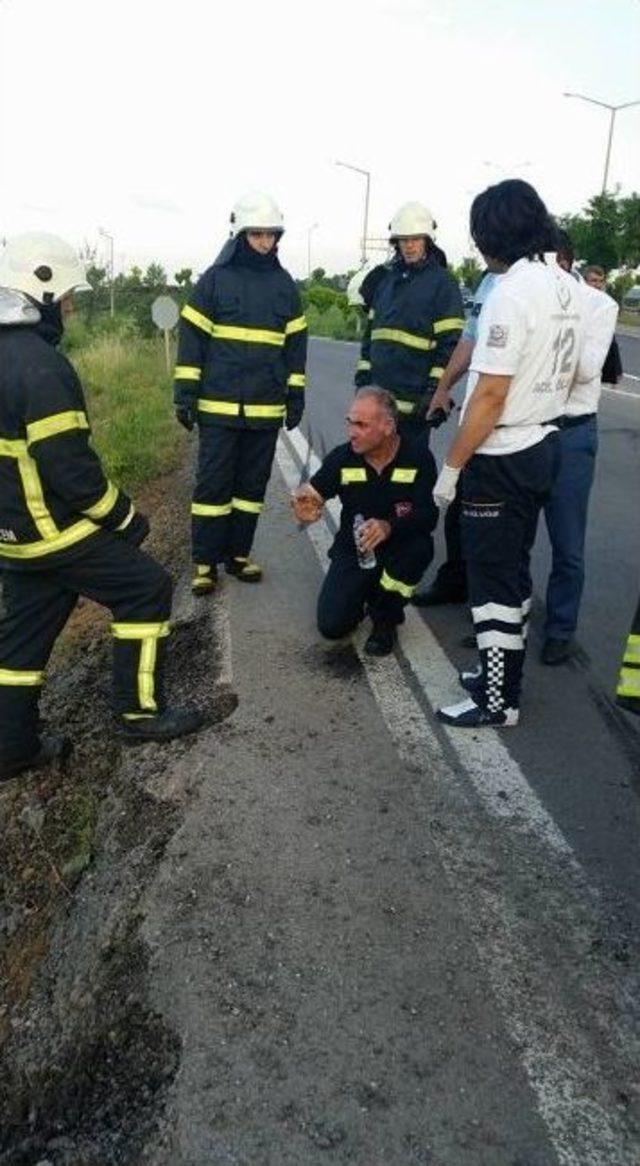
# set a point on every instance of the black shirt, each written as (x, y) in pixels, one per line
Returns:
(400, 494)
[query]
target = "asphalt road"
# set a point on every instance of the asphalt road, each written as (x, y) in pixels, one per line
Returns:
(629, 346)
(570, 729)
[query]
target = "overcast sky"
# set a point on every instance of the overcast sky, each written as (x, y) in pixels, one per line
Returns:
(150, 118)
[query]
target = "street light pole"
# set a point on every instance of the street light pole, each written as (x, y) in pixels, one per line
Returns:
(613, 109)
(310, 229)
(367, 174)
(112, 305)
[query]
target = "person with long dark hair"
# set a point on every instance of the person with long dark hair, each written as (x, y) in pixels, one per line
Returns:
(507, 448)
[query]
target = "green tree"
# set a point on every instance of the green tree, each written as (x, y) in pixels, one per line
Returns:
(155, 277)
(469, 272)
(184, 277)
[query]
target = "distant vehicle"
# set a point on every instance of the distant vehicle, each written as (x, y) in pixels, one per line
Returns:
(631, 299)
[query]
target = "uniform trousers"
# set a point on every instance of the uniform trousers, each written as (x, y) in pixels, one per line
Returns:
(501, 501)
(566, 511)
(234, 466)
(349, 591)
(37, 604)
(628, 690)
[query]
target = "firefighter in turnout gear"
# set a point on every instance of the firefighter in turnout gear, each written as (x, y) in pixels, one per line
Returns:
(628, 690)
(65, 530)
(384, 480)
(239, 376)
(414, 318)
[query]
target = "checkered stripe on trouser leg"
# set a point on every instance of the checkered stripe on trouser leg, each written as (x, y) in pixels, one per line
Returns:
(500, 636)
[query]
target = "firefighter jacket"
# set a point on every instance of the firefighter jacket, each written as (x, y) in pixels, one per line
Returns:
(243, 342)
(53, 490)
(401, 494)
(414, 321)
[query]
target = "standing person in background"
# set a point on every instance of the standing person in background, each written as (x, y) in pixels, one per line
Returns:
(507, 446)
(612, 369)
(65, 529)
(450, 583)
(566, 509)
(414, 318)
(240, 375)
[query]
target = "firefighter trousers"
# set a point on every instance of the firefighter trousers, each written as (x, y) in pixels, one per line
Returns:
(628, 690)
(348, 591)
(501, 501)
(234, 467)
(37, 604)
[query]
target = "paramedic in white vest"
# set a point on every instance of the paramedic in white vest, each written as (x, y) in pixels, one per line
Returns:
(507, 447)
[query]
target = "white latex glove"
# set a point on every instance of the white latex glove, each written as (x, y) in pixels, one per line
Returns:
(444, 490)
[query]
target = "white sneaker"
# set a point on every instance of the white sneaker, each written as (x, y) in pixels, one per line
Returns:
(469, 715)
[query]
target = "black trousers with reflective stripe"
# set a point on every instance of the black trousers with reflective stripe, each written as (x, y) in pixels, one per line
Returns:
(501, 501)
(36, 606)
(234, 467)
(348, 591)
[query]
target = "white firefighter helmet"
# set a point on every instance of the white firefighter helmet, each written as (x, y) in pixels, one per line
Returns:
(42, 266)
(354, 295)
(258, 212)
(413, 218)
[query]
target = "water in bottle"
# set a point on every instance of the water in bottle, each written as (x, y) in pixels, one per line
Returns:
(366, 559)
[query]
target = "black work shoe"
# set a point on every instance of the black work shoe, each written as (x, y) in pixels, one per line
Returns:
(243, 569)
(381, 640)
(439, 592)
(555, 651)
(205, 580)
(469, 715)
(52, 748)
(163, 727)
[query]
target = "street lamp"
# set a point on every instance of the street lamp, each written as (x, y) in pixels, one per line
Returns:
(310, 231)
(367, 174)
(106, 235)
(613, 110)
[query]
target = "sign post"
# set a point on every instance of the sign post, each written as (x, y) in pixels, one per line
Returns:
(164, 313)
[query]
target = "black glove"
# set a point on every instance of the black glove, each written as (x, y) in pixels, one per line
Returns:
(137, 530)
(186, 415)
(295, 409)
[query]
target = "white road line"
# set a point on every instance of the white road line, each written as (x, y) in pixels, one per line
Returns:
(621, 392)
(490, 766)
(561, 1064)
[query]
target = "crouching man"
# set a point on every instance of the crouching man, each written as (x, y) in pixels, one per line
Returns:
(384, 544)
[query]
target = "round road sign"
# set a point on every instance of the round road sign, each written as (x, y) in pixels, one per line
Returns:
(164, 313)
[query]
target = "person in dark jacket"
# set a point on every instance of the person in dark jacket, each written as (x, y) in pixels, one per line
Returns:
(65, 529)
(240, 375)
(628, 689)
(384, 480)
(414, 318)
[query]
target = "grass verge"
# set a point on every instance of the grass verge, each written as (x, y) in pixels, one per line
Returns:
(129, 398)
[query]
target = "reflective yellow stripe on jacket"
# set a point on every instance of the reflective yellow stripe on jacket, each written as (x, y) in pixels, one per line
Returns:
(447, 324)
(187, 372)
(348, 475)
(296, 380)
(17, 678)
(57, 423)
(61, 541)
(397, 336)
(105, 504)
(401, 474)
(297, 325)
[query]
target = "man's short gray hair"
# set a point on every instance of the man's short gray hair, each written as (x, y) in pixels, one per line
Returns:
(385, 400)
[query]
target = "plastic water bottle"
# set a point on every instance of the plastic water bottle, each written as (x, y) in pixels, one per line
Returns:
(366, 559)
